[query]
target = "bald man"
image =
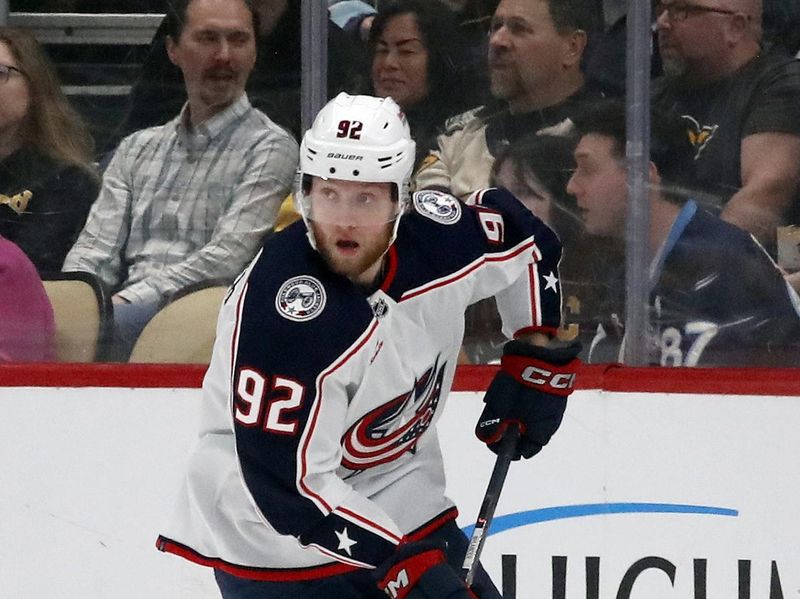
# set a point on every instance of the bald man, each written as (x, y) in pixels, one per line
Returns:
(740, 106)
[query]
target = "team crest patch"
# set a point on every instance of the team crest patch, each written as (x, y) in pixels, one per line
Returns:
(437, 206)
(300, 299)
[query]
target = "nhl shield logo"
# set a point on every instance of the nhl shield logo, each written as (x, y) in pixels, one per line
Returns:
(300, 299)
(379, 308)
(438, 206)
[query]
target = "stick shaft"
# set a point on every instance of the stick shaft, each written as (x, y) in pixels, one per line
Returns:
(485, 515)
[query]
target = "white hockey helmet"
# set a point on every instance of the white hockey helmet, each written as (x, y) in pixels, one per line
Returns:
(357, 138)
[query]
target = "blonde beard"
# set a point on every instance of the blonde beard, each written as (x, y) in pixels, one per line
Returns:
(353, 269)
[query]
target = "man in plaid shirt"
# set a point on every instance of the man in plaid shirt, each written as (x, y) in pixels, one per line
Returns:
(190, 200)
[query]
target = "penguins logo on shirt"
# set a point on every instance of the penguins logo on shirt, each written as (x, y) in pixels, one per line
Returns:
(699, 135)
(300, 299)
(392, 429)
(437, 206)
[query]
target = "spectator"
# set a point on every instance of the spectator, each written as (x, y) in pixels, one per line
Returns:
(191, 200)
(535, 52)
(274, 87)
(417, 59)
(740, 107)
(47, 180)
(717, 298)
(27, 327)
(536, 169)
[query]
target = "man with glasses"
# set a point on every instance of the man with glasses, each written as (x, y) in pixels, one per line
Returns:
(740, 106)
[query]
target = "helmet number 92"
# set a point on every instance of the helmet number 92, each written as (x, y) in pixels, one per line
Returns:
(351, 129)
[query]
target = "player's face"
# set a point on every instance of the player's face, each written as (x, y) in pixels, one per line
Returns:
(352, 224)
(599, 186)
(216, 52)
(400, 62)
(526, 53)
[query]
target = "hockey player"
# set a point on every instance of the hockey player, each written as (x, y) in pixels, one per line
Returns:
(317, 472)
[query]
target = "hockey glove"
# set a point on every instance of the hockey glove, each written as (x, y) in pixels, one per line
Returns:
(530, 391)
(420, 571)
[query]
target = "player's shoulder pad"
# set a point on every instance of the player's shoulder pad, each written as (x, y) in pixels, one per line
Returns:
(464, 120)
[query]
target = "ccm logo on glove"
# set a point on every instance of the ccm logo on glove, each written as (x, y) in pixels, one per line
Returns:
(534, 373)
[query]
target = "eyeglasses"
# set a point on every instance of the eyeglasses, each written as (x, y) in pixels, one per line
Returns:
(682, 11)
(5, 72)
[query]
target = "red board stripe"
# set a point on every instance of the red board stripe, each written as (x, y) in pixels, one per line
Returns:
(610, 377)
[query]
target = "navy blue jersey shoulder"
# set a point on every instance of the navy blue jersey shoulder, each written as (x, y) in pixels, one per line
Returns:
(298, 316)
(443, 235)
(727, 283)
(717, 273)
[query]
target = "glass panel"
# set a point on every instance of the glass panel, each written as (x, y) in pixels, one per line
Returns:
(496, 93)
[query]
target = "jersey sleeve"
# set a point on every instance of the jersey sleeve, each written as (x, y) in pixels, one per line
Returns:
(298, 343)
(531, 301)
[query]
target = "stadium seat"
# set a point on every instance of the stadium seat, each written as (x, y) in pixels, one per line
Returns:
(82, 310)
(183, 331)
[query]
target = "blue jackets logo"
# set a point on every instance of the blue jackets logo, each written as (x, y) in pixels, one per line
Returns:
(437, 206)
(390, 430)
(300, 299)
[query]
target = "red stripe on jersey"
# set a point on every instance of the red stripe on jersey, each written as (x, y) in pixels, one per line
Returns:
(533, 279)
(391, 269)
(432, 525)
(313, 420)
(332, 554)
(368, 523)
(469, 269)
(250, 573)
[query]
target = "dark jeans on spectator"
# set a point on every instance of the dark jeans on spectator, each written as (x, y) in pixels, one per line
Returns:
(129, 320)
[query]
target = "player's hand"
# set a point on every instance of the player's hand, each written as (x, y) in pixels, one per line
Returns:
(530, 391)
(420, 571)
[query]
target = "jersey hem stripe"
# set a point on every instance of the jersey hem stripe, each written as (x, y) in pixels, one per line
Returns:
(251, 573)
(168, 545)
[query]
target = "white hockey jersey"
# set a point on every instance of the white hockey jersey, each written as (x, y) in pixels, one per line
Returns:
(317, 450)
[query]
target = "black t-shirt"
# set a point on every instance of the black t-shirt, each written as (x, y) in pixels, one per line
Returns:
(763, 96)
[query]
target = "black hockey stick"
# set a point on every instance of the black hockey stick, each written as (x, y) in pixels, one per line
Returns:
(508, 445)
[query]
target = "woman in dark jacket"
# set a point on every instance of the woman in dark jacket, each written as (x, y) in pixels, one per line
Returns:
(47, 180)
(420, 59)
